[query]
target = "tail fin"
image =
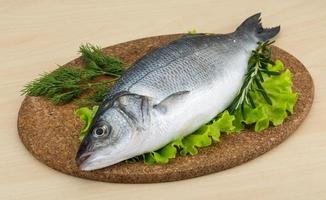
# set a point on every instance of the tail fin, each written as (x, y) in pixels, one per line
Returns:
(252, 25)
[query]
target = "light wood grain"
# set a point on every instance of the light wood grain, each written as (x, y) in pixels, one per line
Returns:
(37, 35)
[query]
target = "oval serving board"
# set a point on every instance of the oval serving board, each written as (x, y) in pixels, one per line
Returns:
(51, 132)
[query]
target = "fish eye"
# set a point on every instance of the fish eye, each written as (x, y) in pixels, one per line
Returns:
(100, 131)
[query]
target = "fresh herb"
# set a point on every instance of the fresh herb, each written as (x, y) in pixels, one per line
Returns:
(97, 61)
(257, 66)
(96, 97)
(192, 32)
(279, 90)
(68, 83)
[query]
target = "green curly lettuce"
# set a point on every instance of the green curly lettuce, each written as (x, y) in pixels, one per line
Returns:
(279, 89)
(86, 115)
(203, 137)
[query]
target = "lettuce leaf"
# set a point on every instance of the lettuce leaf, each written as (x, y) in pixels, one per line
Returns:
(279, 89)
(189, 145)
(86, 115)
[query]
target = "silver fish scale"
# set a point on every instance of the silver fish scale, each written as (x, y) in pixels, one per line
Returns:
(182, 65)
(151, 61)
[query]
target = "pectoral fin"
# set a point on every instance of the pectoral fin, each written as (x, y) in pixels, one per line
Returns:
(171, 100)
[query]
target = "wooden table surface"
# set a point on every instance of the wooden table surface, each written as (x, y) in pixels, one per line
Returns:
(37, 35)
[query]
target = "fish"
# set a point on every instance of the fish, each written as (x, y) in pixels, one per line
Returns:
(169, 93)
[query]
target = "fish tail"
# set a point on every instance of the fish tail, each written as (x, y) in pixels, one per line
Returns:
(252, 25)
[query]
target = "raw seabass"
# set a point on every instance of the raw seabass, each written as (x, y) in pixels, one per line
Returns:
(170, 93)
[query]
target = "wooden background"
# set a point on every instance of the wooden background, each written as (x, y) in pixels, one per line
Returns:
(35, 35)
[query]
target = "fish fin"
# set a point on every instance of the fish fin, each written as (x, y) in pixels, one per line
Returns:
(171, 99)
(253, 25)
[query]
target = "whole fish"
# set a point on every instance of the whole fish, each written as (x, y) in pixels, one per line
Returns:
(169, 93)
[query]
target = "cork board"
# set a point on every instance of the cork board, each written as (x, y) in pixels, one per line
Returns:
(51, 132)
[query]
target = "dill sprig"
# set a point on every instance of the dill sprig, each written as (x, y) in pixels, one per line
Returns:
(68, 83)
(98, 62)
(257, 65)
(95, 98)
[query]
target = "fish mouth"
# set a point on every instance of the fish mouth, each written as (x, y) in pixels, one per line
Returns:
(82, 159)
(90, 161)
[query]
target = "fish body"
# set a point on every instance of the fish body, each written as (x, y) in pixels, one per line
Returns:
(169, 93)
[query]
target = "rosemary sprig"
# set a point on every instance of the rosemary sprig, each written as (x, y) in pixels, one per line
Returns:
(257, 65)
(68, 83)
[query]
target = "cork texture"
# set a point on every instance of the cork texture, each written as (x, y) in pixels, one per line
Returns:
(51, 132)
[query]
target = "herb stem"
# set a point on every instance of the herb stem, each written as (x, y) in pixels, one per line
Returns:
(257, 64)
(91, 85)
(111, 74)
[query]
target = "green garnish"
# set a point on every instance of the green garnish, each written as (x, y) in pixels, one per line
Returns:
(189, 145)
(279, 90)
(86, 115)
(257, 66)
(192, 32)
(98, 62)
(68, 83)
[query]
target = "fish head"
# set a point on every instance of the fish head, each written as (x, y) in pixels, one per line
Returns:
(114, 136)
